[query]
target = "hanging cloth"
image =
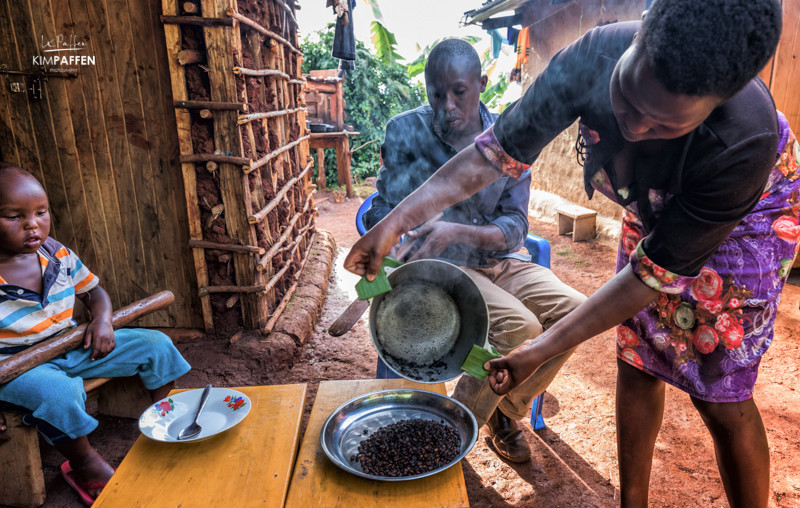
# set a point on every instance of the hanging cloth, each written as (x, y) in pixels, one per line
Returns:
(344, 40)
(523, 52)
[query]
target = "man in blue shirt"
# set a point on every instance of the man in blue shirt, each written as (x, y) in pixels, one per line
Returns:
(480, 234)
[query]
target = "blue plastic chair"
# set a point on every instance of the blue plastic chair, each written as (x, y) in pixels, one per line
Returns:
(537, 247)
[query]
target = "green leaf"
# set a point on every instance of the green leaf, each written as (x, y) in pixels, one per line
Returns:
(473, 363)
(366, 289)
(417, 67)
(494, 91)
(384, 42)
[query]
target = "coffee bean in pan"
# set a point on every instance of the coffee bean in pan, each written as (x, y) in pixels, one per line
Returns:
(408, 448)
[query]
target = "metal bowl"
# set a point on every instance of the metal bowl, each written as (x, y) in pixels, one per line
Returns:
(427, 324)
(344, 428)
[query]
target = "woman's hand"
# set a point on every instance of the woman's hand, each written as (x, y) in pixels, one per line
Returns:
(509, 371)
(367, 253)
(100, 335)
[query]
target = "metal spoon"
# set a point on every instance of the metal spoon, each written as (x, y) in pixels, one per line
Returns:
(194, 429)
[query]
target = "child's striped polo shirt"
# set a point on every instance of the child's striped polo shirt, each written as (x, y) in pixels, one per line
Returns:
(27, 317)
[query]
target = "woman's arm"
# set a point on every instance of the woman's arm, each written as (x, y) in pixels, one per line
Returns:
(617, 300)
(462, 176)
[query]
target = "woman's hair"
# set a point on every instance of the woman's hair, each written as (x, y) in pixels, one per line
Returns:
(710, 47)
(451, 49)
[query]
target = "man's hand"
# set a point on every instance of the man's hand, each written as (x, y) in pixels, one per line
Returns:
(100, 335)
(437, 237)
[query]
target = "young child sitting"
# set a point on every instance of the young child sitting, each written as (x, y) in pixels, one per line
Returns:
(39, 279)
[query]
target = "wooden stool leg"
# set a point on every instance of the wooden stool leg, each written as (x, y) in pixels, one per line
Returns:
(583, 228)
(21, 464)
(564, 224)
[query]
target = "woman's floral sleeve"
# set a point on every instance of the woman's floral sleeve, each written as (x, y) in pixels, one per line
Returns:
(657, 277)
(487, 144)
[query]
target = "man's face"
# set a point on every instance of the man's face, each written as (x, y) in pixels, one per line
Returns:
(454, 92)
(24, 216)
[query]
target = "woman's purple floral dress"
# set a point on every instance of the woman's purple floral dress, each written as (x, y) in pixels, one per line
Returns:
(706, 334)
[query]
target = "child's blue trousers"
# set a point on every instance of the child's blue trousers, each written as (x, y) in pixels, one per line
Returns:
(53, 391)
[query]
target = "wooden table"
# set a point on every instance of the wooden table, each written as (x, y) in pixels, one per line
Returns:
(248, 465)
(341, 142)
(318, 482)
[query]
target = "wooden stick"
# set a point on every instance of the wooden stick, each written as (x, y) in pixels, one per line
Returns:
(202, 244)
(260, 72)
(68, 340)
(295, 241)
(190, 56)
(298, 81)
(226, 159)
(225, 106)
(276, 314)
(260, 288)
(263, 160)
(230, 302)
(236, 336)
(195, 20)
(249, 117)
(259, 216)
(266, 258)
(288, 11)
(252, 24)
(190, 8)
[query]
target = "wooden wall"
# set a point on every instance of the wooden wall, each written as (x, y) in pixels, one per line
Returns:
(104, 144)
(782, 73)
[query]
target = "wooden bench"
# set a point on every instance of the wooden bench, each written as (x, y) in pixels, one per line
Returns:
(579, 221)
(20, 458)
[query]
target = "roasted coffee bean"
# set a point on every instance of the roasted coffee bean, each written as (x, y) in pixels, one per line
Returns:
(408, 448)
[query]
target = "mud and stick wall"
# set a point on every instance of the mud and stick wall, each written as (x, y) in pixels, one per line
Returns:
(553, 27)
(236, 68)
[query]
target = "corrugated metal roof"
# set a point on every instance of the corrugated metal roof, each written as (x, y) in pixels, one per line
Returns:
(491, 8)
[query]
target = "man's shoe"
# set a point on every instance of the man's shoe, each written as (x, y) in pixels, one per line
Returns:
(506, 439)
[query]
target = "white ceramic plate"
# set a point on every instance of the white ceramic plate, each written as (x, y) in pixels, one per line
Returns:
(163, 420)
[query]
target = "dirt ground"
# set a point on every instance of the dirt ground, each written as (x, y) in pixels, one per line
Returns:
(574, 458)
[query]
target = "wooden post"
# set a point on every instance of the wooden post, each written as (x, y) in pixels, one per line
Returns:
(343, 157)
(183, 121)
(320, 168)
(234, 186)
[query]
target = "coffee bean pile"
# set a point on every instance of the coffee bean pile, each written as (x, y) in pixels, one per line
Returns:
(408, 448)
